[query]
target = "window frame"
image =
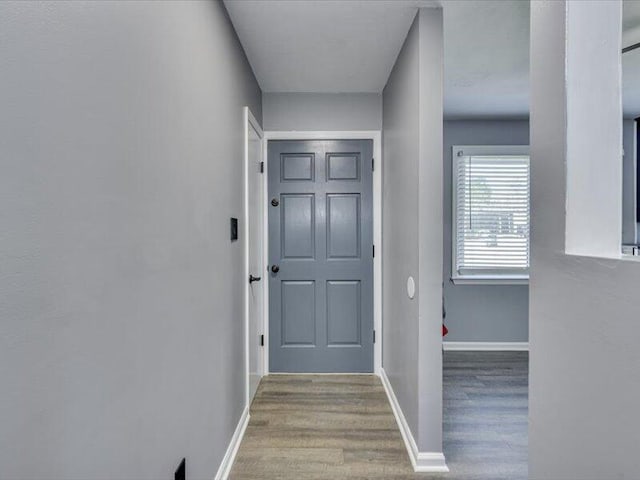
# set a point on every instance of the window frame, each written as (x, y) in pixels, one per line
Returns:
(484, 278)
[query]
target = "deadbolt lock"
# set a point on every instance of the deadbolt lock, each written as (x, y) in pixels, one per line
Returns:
(275, 202)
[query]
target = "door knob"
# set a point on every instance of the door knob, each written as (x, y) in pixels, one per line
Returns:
(275, 268)
(253, 279)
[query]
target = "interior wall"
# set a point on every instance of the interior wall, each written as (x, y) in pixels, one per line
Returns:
(481, 313)
(629, 224)
(430, 224)
(499, 313)
(584, 386)
(412, 235)
(322, 111)
(401, 151)
(121, 296)
(588, 203)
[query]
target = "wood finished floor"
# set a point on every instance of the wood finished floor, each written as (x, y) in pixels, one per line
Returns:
(485, 421)
(341, 426)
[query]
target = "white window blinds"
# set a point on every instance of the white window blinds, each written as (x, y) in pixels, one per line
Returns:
(491, 213)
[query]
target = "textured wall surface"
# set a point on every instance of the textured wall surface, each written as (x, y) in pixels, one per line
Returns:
(121, 304)
(412, 228)
(584, 311)
(400, 232)
(431, 95)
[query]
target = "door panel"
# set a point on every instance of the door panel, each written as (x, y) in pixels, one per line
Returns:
(320, 238)
(343, 312)
(296, 167)
(343, 167)
(298, 313)
(343, 225)
(298, 225)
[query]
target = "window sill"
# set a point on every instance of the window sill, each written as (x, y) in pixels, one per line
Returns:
(482, 280)
(628, 257)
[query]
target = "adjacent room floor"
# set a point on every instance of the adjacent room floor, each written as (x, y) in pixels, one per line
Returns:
(486, 415)
(342, 426)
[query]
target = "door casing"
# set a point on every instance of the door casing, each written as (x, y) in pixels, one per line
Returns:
(376, 137)
(250, 122)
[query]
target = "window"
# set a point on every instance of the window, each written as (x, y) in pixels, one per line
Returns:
(490, 214)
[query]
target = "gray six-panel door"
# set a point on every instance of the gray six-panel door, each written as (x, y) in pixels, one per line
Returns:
(320, 256)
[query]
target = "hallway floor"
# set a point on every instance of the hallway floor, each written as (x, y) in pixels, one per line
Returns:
(342, 426)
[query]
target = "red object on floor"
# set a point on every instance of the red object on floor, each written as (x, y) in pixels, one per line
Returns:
(445, 330)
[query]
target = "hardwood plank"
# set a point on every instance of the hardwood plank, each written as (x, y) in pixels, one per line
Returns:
(341, 426)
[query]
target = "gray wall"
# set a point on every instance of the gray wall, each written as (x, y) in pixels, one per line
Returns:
(430, 199)
(629, 225)
(401, 151)
(584, 311)
(322, 111)
(121, 340)
(412, 235)
(481, 313)
(499, 313)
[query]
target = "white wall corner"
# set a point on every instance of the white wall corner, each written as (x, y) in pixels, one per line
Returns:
(433, 462)
(230, 455)
(594, 129)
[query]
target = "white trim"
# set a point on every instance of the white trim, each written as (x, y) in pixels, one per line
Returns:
(487, 346)
(376, 136)
(249, 121)
(234, 445)
(421, 461)
(265, 253)
(486, 280)
(298, 374)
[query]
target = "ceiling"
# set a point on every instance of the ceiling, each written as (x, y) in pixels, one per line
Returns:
(322, 45)
(336, 46)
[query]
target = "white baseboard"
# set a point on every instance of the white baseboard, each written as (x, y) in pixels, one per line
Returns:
(421, 461)
(234, 445)
(487, 346)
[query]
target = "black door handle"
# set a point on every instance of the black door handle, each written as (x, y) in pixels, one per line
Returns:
(275, 268)
(253, 279)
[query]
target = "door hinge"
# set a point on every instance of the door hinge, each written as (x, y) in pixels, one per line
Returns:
(262, 340)
(261, 167)
(374, 251)
(374, 336)
(372, 164)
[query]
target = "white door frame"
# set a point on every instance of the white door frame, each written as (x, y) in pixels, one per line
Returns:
(376, 136)
(249, 122)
